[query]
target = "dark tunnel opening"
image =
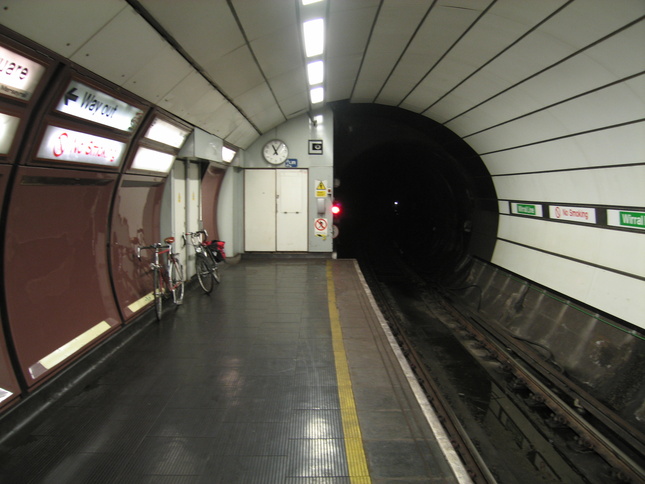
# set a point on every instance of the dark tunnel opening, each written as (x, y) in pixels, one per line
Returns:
(408, 184)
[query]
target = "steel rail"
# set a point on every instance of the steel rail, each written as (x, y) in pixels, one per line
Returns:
(525, 369)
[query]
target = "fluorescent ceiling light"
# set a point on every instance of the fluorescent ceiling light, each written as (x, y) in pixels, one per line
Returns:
(315, 72)
(314, 33)
(309, 2)
(228, 154)
(317, 95)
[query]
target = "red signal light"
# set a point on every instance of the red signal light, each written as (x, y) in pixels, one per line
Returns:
(335, 209)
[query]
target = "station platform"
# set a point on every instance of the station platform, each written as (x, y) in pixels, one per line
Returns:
(286, 373)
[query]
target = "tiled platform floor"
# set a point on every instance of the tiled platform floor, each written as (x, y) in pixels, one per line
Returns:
(239, 386)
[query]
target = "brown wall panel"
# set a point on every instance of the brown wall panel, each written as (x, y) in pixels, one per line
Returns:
(59, 297)
(9, 389)
(135, 221)
(211, 185)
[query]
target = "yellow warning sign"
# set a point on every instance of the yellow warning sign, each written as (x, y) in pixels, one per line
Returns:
(321, 188)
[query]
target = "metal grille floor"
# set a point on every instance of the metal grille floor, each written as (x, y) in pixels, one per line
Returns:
(282, 375)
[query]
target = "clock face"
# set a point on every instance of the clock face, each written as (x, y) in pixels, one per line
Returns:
(275, 152)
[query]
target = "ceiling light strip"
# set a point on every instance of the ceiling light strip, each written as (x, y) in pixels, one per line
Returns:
(314, 35)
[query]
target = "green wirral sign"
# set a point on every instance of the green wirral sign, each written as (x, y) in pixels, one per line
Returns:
(526, 209)
(632, 219)
(626, 218)
(530, 209)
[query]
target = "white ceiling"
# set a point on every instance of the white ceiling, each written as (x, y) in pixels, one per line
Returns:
(236, 68)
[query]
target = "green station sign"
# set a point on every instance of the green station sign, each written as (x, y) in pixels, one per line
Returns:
(530, 209)
(632, 219)
(626, 218)
(526, 209)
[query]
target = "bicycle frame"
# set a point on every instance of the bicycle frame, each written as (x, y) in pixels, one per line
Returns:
(168, 278)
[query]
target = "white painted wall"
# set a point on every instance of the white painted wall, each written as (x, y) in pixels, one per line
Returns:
(564, 126)
(193, 214)
(296, 133)
(230, 214)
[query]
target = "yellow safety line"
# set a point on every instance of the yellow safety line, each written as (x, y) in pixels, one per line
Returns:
(356, 461)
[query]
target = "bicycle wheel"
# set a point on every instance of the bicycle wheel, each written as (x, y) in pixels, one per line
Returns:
(214, 267)
(158, 294)
(215, 272)
(204, 273)
(177, 282)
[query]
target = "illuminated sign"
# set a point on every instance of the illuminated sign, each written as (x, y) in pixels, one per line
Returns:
(573, 214)
(526, 209)
(86, 103)
(626, 218)
(151, 160)
(19, 76)
(8, 127)
(167, 133)
(66, 145)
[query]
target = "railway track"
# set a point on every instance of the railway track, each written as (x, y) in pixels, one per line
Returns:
(526, 422)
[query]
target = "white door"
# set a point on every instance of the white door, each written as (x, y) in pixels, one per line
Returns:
(291, 219)
(259, 210)
(275, 210)
(178, 180)
(193, 212)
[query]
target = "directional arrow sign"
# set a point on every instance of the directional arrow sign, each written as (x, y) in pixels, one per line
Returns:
(71, 96)
(93, 105)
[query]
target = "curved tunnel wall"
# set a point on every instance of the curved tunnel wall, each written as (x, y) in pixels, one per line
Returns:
(557, 118)
(80, 191)
(562, 134)
(413, 186)
(548, 94)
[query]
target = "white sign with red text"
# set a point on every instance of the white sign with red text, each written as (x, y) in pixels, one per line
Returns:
(86, 103)
(67, 145)
(19, 76)
(573, 214)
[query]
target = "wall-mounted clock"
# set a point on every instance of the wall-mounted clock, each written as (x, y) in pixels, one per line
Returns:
(275, 151)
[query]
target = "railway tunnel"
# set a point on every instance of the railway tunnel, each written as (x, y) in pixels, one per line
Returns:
(496, 145)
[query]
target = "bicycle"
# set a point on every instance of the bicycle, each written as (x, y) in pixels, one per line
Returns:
(169, 278)
(207, 256)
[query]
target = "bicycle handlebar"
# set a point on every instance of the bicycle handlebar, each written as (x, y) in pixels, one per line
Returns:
(196, 235)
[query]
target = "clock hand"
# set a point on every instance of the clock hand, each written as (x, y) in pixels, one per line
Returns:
(275, 150)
